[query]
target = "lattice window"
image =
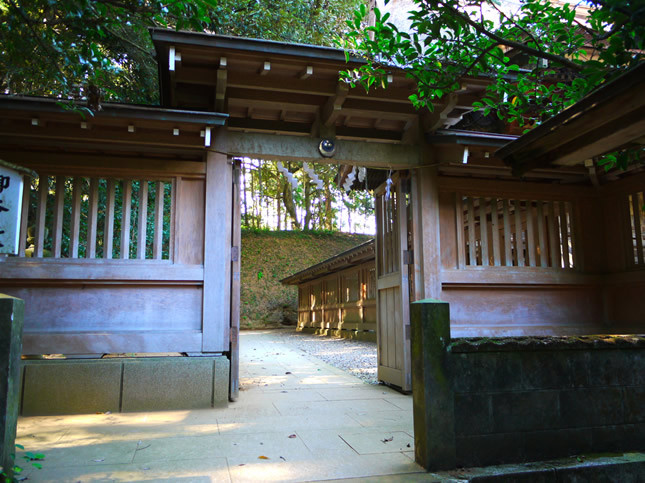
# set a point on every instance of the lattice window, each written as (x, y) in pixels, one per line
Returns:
(80, 217)
(636, 202)
(516, 233)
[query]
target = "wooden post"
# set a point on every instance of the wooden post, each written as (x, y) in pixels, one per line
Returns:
(508, 252)
(57, 236)
(158, 234)
(108, 230)
(544, 260)
(427, 196)
(76, 217)
(92, 218)
(217, 249)
(497, 257)
(126, 208)
(472, 242)
(519, 244)
(459, 222)
(24, 215)
(530, 234)
(142, 219)
(483, 229)
(234, 386)
(43, 189)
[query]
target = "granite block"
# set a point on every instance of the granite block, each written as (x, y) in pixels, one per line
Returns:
(490, 449)
(473, 414)
(487, 371)
(591, 407)
(525, 411)
(167, 383)
(71, 387)
(221, 381)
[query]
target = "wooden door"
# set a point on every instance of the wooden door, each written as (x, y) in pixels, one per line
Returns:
(392, 296)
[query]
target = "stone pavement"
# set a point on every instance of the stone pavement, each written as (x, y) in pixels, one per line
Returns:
(297, 419)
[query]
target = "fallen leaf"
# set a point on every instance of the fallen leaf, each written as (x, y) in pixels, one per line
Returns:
(98, 460)
(242, 464)
(283, 458)
(409, 445)
(292, 436)
(287, 372)
(263, 457)
(387, 440)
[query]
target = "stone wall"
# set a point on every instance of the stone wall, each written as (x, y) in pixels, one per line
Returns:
(123, 384)
(524, 399)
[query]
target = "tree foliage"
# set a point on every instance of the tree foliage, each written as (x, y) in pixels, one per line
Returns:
(269, 202)
(77, 48)
(540, 57)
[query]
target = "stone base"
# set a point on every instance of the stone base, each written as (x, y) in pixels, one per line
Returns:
(52, 387)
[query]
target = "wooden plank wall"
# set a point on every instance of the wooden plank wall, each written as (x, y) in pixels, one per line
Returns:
(102, 304)
(533, 259)
(342, 304)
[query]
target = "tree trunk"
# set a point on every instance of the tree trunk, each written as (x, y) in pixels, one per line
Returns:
(289, 205)
(307, 222)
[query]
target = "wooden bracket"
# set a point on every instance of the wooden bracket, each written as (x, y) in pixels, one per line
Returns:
(220, 86)
(334, 104)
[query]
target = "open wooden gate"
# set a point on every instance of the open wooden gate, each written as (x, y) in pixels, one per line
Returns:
(392, 296)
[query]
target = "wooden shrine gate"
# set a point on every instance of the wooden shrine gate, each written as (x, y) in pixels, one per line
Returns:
(392, 296)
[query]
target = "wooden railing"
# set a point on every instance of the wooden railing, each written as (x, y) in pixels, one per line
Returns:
(636, 213)
(97, 218)
(515, 233)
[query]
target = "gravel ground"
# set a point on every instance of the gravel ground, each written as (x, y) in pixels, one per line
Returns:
(356, 357)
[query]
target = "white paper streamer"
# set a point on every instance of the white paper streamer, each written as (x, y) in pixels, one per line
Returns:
(312, 175)
(287, 174)
(349, 181)
(362, 173)
(388, 185)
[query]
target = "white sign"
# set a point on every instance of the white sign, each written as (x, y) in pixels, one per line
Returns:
(11, 186)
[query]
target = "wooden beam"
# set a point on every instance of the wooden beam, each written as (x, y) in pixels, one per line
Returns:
(305, 148)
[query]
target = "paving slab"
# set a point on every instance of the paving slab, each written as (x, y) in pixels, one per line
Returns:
(378, 441)
(311, 422)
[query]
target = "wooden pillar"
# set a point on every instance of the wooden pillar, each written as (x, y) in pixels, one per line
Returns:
(427, 236)
(217, 249)
(234, 386)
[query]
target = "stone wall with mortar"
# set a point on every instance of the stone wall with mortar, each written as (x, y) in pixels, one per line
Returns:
(508, 400)
(123, 384)
(535, 399)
